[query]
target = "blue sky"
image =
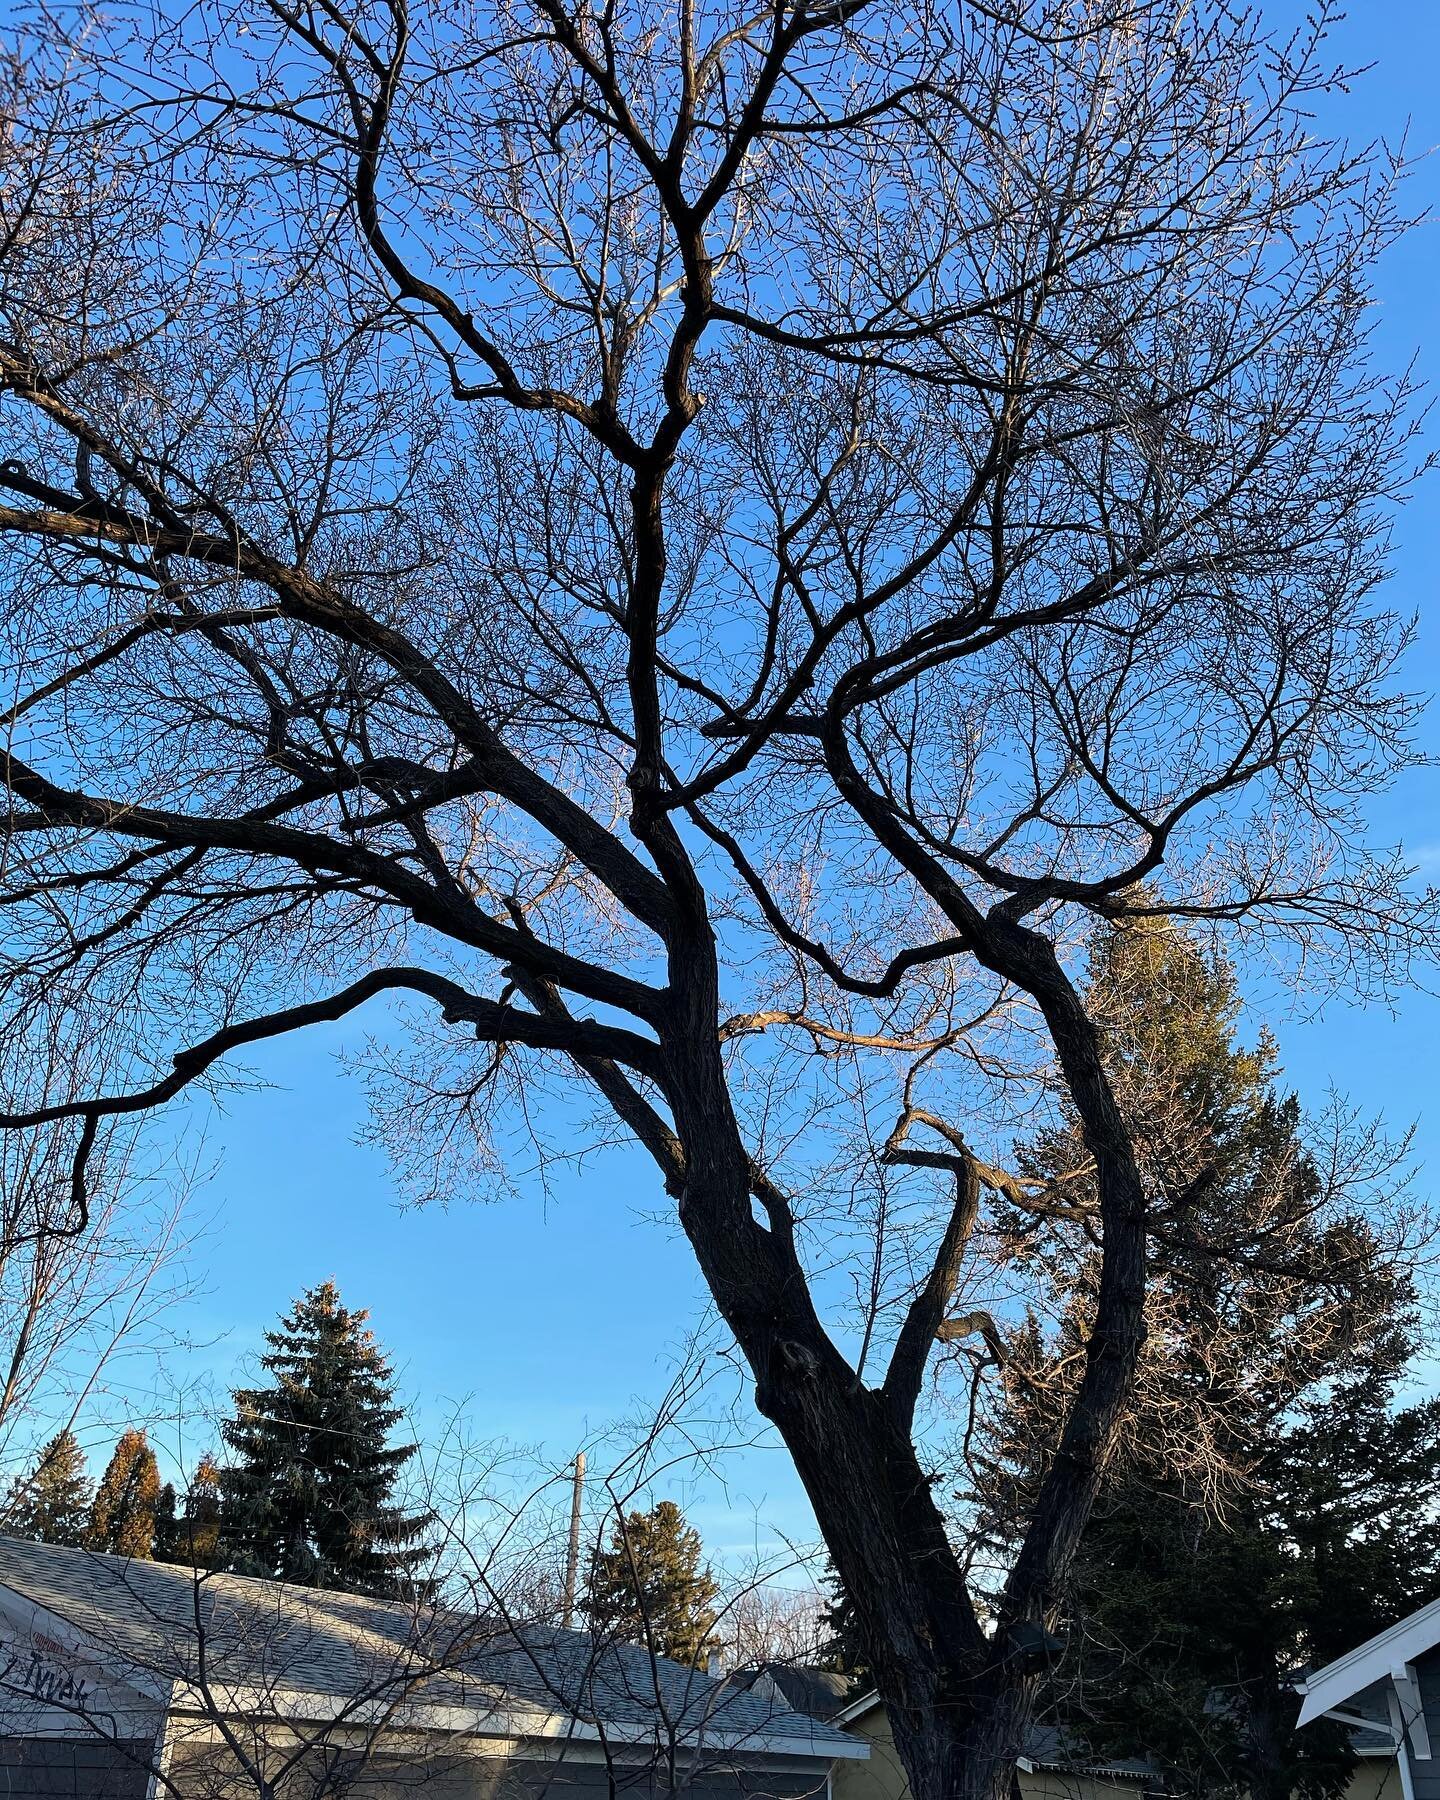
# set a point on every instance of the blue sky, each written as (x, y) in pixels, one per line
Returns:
(550, 1316)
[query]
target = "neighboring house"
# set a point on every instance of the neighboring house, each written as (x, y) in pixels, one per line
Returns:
(818, 1693)
(1388, 1690)
(1054, 1769)
(1049, 1769)
(143, 1681)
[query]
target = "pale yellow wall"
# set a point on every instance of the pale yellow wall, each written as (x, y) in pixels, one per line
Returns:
(883, 1778)
(1377, 1778)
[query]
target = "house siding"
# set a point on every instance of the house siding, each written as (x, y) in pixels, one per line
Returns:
(55, 1768)
(1425, 1770)
(209, 1772)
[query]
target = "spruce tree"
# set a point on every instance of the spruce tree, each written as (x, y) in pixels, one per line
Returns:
(122, 1518)
(1191, 1627)
(52, 1504)
(308, 1497)
(647, 1586)
(1270, 1505)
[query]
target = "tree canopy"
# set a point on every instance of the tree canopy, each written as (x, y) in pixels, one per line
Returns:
(53, 1502)
(122, 1515)
(192, 1532)
(691, 550)
(1272, 1503)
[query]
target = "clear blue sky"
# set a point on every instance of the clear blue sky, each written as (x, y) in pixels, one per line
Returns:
(551, 1317)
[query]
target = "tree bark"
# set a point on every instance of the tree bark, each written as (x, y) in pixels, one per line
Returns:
(959, 1701)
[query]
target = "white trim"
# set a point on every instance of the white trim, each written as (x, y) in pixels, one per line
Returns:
(857, 1708)
(1412, 1710)
(513, 1723)
(1370, 1662)
(158, 1786)
(1402, 1748)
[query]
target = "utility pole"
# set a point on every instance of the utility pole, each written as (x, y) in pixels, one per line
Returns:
(572, 1560)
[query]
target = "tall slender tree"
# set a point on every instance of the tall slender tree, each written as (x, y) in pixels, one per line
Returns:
(309, 1495)
(53, 1502)
(190, 1533)
(122, 1519)
(648, 1585)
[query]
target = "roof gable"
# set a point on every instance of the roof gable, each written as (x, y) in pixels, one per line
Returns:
(1375, 1660)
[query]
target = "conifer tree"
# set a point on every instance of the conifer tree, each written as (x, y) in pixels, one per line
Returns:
(647, 1586)
(122, 1518)
(199, 1534)
(1271, 1506)
(167, 1525)
(308, 1497)
(52, 1504)
(191, 1536)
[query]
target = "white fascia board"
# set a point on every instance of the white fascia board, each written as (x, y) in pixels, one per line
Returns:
(510, 1723)
(857, 1709)
(1370, 1662)
(30, 1619)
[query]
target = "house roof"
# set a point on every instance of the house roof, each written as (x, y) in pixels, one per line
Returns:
(274, 1648)
(818, 1693)
(1373, 1661)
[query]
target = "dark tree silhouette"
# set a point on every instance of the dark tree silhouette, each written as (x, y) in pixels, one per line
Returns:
(1269, 1504)
(691, 548)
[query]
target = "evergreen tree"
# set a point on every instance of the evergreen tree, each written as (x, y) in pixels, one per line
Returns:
(1194, 1626)
(122, 1518)
(309, 1496)
(191, 1537)
(1270, 1506)
(199, 1536)
(167, 1525)
(52, 1504)
(648, 1586)
(845, 1654)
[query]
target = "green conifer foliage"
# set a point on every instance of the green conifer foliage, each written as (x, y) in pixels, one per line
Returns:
(308, 1497)
(52, 1504)
(191, 1535)
(122, 1519)
(1272, 1505)
(198, 1539)
(648, 1586)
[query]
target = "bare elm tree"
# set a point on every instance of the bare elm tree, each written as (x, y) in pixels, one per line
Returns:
(692, 547)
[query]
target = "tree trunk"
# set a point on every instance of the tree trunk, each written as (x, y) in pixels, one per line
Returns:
(959, 1700)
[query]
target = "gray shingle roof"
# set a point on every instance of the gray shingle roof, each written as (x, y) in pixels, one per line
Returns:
(1052, 1747)
(270, 1638)
(818, 1693)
